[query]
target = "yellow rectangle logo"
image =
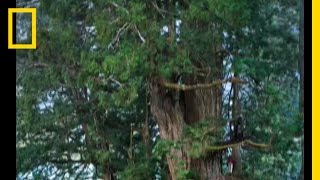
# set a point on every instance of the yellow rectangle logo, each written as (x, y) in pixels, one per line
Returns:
(33, 12)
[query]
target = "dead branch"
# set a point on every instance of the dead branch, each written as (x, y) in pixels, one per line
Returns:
(39, 65)
(118, 35)
(115, 81)
(117, 6)
(114, 4)
(161, 11)
(139, 34)
(182, 87)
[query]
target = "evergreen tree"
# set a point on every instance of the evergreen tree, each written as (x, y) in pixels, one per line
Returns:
(161, 89)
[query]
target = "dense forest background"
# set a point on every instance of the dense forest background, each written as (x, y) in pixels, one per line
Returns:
(161, 89)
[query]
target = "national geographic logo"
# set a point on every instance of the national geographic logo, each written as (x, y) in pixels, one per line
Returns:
(33, 12)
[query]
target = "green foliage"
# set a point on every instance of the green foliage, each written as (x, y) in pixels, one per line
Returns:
(182, 173)
(85, 90)
(163, 148)
(136, 171)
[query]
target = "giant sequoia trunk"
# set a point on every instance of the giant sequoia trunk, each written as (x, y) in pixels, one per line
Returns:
(173, 114)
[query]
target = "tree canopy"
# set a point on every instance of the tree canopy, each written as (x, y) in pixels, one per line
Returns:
(161, 89)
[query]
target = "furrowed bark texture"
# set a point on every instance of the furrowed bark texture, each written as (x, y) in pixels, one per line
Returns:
(174, 109)
(172, 115)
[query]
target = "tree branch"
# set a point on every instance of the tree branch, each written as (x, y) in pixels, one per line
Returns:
(117, 37)
(39, 65)
(182, 87)
(244, 142)
(115, 81)
(54, 161)
(139, 34)
(161, 11)
(118, 6)
(34, 65)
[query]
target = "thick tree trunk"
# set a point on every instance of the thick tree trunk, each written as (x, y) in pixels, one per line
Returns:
(173, 110)
(170, 120)
(173, 114)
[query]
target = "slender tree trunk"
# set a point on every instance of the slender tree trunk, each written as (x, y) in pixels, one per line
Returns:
(108, 174)
(301, 69)
(172, 115)
(236, 154)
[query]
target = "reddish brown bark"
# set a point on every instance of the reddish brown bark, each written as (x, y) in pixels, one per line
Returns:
(172, 115)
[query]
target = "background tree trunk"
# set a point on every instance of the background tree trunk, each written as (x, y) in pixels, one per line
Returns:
(236, 110)
(301, 69)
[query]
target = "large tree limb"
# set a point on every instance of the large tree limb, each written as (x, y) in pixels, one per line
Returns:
(183, 87)
(244, 142)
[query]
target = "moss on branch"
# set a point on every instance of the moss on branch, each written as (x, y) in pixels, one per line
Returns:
(183, 87)
(244, 142)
